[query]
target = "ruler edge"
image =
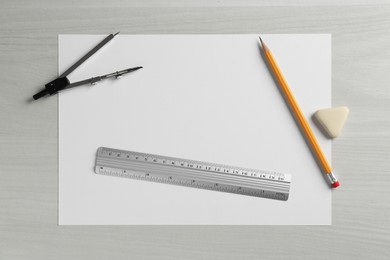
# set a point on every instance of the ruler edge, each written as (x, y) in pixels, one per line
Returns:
(200, 162)
(192, 161)
(189, 186)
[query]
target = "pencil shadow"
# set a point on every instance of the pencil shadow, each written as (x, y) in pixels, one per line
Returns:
(294, 116)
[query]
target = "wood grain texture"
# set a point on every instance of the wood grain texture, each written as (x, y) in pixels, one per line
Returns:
(28, 132)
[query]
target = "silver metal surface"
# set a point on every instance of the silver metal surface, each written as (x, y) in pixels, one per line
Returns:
(94, 80)
(191, 173)
(331, 177)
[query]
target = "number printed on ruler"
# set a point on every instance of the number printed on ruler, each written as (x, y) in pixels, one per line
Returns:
(191, 173)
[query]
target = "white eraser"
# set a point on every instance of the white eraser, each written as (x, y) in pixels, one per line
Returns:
(332, 120)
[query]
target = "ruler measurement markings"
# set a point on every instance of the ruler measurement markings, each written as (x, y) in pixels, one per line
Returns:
(244, 182)
(191, 173)
(239, 190)
(136, 156)
(235, 185)
(180, 182)
(219, 169)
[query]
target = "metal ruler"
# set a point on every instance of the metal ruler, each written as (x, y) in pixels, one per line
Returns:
(191, 173)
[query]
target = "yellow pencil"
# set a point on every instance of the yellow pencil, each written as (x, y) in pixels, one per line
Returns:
(298, 115)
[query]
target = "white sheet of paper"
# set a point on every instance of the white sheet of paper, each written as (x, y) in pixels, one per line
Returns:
(202, 97)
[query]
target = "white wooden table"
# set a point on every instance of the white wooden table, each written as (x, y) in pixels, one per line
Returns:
(28, 132)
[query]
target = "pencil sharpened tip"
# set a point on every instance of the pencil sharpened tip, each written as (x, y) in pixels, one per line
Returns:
(261, 41)
(262, 45)
(116, 34)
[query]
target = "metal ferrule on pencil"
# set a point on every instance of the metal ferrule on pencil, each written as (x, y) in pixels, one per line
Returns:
(332, 178)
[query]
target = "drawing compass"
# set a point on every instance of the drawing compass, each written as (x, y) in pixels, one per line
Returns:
(62, 82)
